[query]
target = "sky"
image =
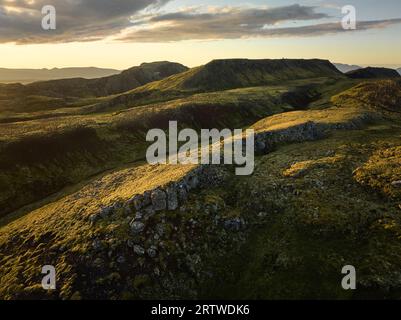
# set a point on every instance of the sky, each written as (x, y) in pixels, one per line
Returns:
(122, 33)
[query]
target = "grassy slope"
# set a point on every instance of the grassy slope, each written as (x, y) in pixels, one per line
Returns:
(24, 242)
(60, 232)
(62, 147)
(222, 75)
(319, 218)
(328, 203)
(312, 227)
(40, 157)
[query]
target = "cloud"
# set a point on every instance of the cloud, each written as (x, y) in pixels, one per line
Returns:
(238, 23)
(144, 21)
(77, 20)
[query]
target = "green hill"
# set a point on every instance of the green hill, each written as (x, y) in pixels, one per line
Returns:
(76, 192)
(373, 73)
(326, 187)
(223, 75)
(239, 73)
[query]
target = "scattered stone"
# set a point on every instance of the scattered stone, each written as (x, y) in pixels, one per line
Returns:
(139, 250)
(137, 227)
(116, 206)
(148, 212)
(97, 244)
(158, 197)
(137, 202)
(152, 252)
(192, 182)
(182, 192)
(105, 212)
(396, 183)
(147, 201)
(172, 197)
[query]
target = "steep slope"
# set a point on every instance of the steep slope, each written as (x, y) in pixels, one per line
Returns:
(40, 157)
(373, 73)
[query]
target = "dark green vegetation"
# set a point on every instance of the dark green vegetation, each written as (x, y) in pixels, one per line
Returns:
(39, 157)
(310, 208)
(373, 73)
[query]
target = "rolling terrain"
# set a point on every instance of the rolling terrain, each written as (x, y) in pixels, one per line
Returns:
(34, 75)
(56, 94)
(77, 193)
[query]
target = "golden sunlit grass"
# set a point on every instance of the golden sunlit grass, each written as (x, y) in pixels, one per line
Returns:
(327, 116)
(309, 183)
(66, 224)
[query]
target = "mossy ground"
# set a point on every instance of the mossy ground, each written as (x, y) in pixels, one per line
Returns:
(310, 207)
(316, 219)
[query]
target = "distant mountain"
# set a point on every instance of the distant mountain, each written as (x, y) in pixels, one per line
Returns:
(399, 70)
(32, 75)
(86, 88)
(239, 73)
(344, 68)
(373, 73)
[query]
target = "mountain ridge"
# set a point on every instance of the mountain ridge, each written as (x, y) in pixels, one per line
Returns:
(15, 75)
(225, 74)
(98, 87)
(373, 73)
